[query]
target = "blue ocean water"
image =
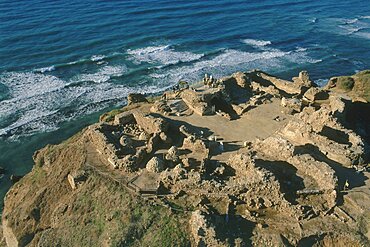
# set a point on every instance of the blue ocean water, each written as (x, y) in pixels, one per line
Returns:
(64, 62)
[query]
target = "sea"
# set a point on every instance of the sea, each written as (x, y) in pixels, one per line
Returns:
(64, 62)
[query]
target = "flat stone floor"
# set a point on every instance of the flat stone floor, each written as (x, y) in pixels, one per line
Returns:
(256, 123)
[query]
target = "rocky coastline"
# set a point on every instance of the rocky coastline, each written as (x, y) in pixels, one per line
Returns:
(245, 160)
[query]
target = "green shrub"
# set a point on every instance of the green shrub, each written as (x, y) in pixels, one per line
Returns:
(345, 83)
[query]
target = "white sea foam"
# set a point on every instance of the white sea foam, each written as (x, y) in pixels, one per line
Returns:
(40, 102)
(233, 60)
(96, 58)
(46, 69)
(364, 35)
(350, 21)
(300, 49)
(313, 20)
(321, 82)
(356, 27)
(102, 75)
(256, 42)
(164, 55)
(351, 29)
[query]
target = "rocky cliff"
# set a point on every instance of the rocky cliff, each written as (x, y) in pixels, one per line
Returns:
(248, 159)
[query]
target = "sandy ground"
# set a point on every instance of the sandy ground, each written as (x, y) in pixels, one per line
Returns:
(256, 123)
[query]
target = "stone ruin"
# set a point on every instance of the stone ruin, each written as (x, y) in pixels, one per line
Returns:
(292, 172)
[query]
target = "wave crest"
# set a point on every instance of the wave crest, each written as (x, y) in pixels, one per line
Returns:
(164, 55)
(256, 42)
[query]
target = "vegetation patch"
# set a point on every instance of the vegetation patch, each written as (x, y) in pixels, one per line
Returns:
(38, 174)
(345, 83)
(109, 116)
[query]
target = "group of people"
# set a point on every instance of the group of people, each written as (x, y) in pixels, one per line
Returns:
(210, 81)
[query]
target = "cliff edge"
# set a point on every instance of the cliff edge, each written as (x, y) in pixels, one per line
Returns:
(249, 159)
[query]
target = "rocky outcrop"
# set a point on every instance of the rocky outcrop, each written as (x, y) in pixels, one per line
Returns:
(133, 98)
(76, 178)
(149, 123)
(202, 230)
(313, 94)
(124, 118)
(155, 165)
(356, 86)
(198, 102)
(160, 107)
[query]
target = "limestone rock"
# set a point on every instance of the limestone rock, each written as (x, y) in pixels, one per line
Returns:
(179, 171)
(172, 154)
(315, 93)
(286, 86)
(155, 164)
(140, 154)
(294, 104)
(151, 124)
(241, 163)
(202, 231)
(76, 178)
(160, 106)
(303, 79)
(196, 145)
(153, 143)
(199, 102)
(184, 130)
(275, 147)
(136, 98)
(241, 79)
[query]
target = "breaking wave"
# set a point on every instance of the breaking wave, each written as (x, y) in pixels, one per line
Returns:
(232, 60)
(256, 42)
(102, 75)
(40, 102)
(356, 27)
(46, 69)
(321, 82)
(162, 54)
(97, 58)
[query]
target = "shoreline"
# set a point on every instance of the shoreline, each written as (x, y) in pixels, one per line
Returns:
(250, 147)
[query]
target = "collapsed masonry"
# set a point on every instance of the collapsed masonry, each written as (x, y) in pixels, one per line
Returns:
(294, 172)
